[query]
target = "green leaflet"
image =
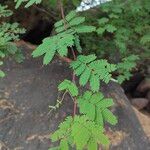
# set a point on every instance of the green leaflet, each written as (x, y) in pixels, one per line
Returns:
(77, 44)
(85, 29)
(66, 37)
(70, 16)
(125, 67)
(69, 86)
(94, 82)
(63, 130)
(77, 21)
(103, 20)
(100, 30)
(48, 57)
(64, 144)
(29, 3)
(85, 77)
(58, 43)
(92, 145)
(95, 106)
(83, 132)
(110, 28)
(91, 70)
(80, 134)
(109, 117)
(2, 74)
(11, 48)
(74, 22)
(145, 39)
(8, 34)
(4, 12)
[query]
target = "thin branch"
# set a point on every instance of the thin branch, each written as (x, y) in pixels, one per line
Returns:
(59, 102)
(62, 14)
(73, 53)
(74, 108)
(44, 11)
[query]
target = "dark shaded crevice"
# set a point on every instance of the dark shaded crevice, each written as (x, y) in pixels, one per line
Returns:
(131, 85)
(40, 31)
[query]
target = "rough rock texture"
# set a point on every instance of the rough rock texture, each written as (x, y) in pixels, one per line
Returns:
(144, 119)
(148, 95)
(28, 90)
(144, 85)
(139, 103)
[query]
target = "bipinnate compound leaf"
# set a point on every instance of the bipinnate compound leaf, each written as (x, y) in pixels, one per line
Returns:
(91, 70)
(81, 133)
(95, 106)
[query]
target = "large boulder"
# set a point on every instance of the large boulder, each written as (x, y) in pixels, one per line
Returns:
(28, 90)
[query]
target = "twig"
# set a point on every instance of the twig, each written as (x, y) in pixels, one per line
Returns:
(58, 103)
(62, 14)
(73, 53)
(44, 11)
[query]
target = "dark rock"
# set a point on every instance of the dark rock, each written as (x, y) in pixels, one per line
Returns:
(148, 95)
(32, 88)
(144, 85)
(130, 85)
(139, 103)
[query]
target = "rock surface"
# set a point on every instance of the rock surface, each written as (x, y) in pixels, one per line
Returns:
(144, 85)
(28, 90)
(139, 103)
(148, 95)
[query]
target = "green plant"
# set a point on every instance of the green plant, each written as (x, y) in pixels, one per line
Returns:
(8, 33)
(67, 36)
(122, 29)
(86, 129)
(92, 70)
(118, 22)
(28, 4)
(125, 67)
(89, 69)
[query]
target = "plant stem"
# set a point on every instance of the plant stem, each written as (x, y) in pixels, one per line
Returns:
(73, 53)
(62, 14)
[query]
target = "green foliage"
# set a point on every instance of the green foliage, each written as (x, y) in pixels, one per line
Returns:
(123, 29)
(66, 37)
(4, 12)
(8, 33)
(69, 86)
(125, 67)
(95, 106)
(73, 22)
(51, 45)
(81, 133)
(92, 70)
(29, 2)
(52, 3)
(145, 39)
